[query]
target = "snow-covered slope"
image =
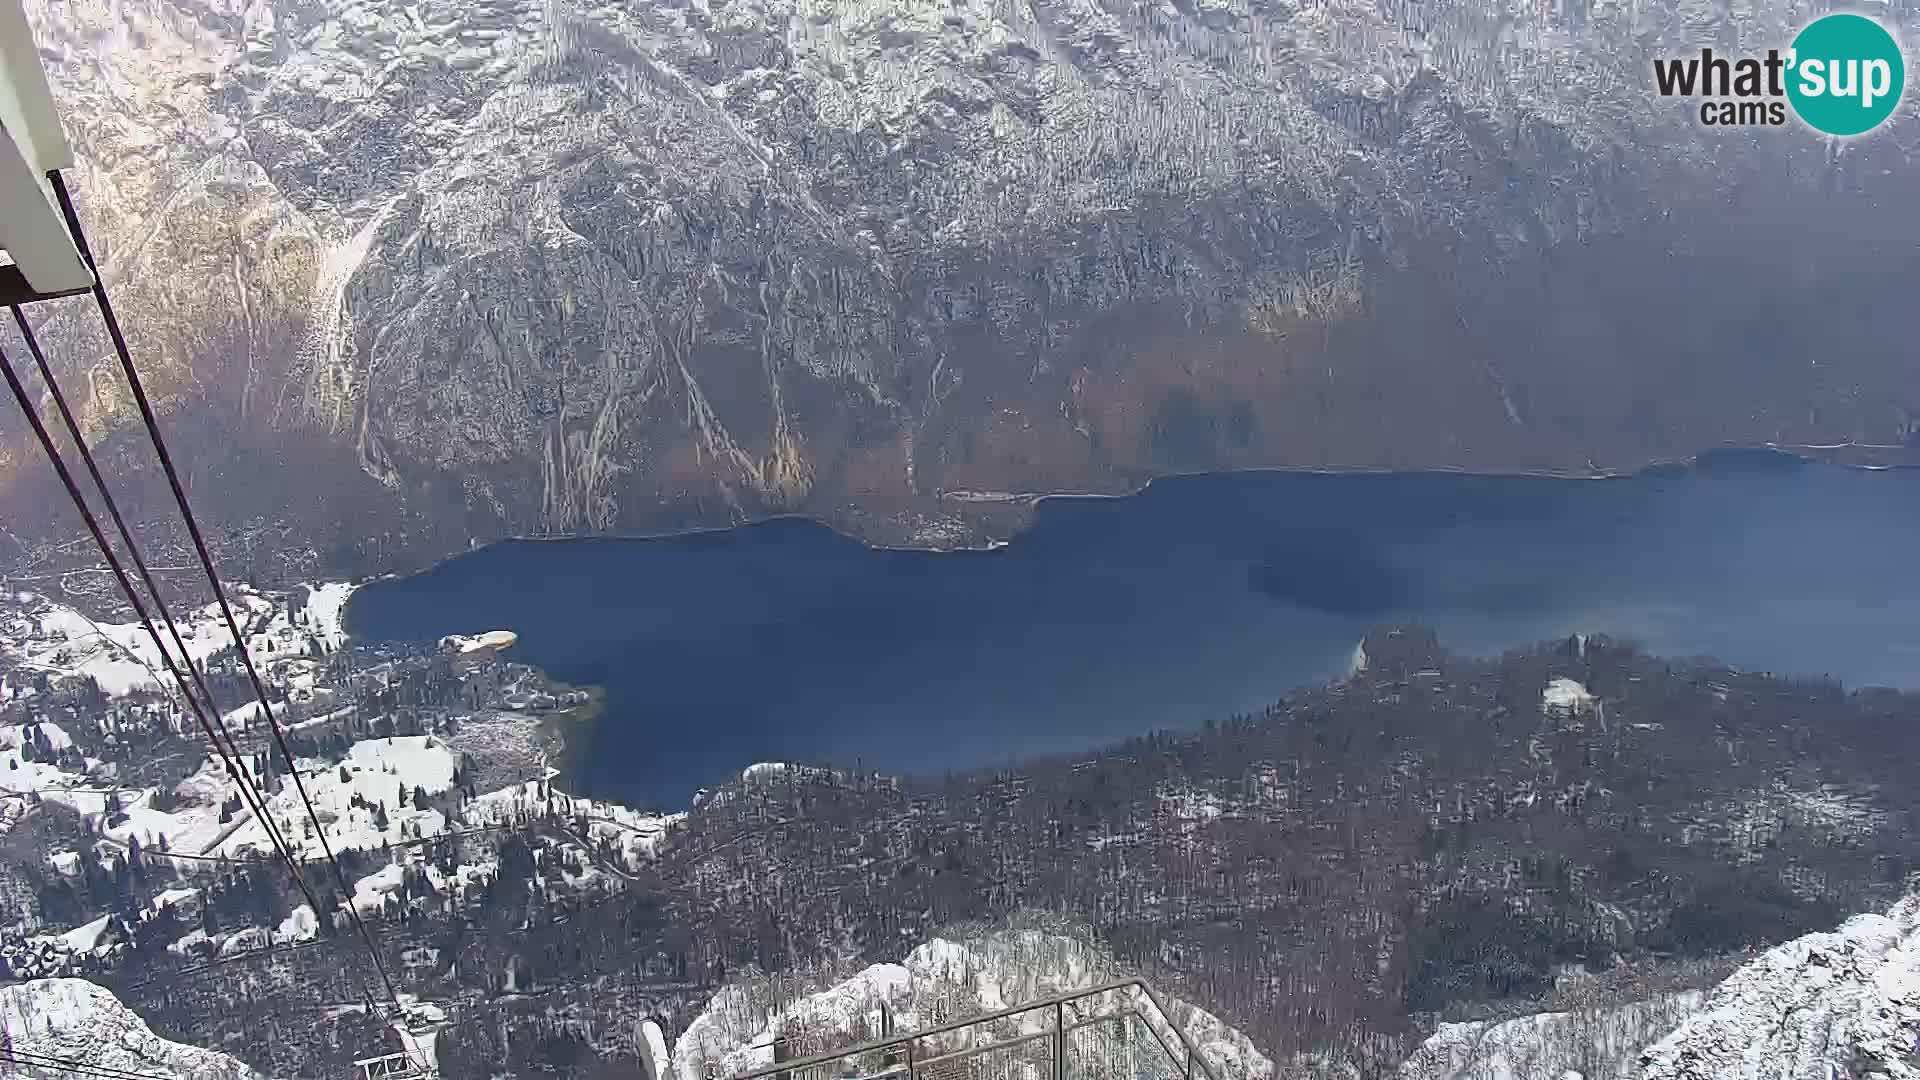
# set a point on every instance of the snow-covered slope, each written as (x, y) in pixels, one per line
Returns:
(939, 981)
(380, 780)
(572, 265)
(83, 1022)
(1584, 1044)
(39, 634)
(366, 800)
(1843, 1005)
(636, 835)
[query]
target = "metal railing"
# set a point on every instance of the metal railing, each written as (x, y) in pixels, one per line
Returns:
(1087, 1034)
(400, 1066)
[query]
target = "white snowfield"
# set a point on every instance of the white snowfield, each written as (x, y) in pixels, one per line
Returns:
(1584, 1044)
(766, 772)
(247, 715)
(82, 1022)
(18, 775)
(384, 774)
(53, 783)
(325, 614)
(193, 827)
(1565, 695)
(638, 835)
(41, 634)
(1832, 1006)
(12, 736)
(938, 981)
(120, 656)
(762, 770)
(370, 892)
(87, 938)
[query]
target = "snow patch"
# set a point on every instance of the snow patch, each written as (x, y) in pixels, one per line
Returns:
(1566, 696)
(85, 939)
(167, 898)
(300, 925)
(370, 892)
(326, 612)
(492, 639)
(376, 780)
(638, 835)
(14, 736)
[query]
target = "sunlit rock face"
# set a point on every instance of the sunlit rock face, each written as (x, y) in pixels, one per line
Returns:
(82, 1025)
(1845, 1003)
(528, 266)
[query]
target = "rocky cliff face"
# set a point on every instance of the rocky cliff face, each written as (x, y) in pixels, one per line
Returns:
(1581, 1044)
(944, 981)
(1843, 1005)
(463, 268)
(81, 1025)
(1821, 1007)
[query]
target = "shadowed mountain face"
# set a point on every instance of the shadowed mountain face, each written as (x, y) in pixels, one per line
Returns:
(460, 269)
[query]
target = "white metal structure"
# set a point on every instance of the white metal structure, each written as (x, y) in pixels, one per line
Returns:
(400, 1066)
(32, 230)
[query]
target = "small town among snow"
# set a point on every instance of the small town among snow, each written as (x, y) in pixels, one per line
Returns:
(98, 749)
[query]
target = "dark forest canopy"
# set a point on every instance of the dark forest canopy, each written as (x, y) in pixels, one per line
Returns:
(1426, 835)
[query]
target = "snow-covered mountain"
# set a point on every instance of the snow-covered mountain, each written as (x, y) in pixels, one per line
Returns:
(942, 980)
(77, 1022)
(1843, 1005)
(552, 265)
(1581, 1044)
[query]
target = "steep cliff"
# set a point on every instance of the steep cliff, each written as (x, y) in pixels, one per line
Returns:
(1822, 1007)
(1579, 1044)
(937, 982)
(1843, 1005)
(53, 1026)
(476, 267)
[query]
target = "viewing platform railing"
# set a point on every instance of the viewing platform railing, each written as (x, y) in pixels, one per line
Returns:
(1115, 1031)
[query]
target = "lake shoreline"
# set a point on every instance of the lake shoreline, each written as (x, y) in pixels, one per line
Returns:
(1203, 599)
(1029, 503)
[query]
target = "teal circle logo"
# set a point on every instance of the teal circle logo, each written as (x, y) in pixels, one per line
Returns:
(1846, 74)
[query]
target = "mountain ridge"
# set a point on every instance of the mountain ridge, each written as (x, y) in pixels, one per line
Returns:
(489, 269)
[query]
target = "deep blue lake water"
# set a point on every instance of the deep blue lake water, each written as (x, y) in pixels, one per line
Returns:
(1198, 598)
